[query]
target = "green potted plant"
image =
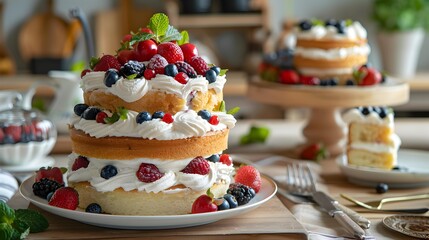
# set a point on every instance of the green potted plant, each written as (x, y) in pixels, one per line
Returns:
(402, 25)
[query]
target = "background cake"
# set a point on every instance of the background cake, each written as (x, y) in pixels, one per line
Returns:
(148, 139)
(333, 48)
(372, 141)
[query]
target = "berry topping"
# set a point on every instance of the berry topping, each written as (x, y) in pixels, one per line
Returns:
(366, 110)
(168, 118)
(132, 68)
(93, 208)
(52, 173)
(171, 70)
(205, 114)
(289, 77)
(13, 132)
(145, 50)
(80, 108)
(231, 200)
(65, 197)
(225, 159)
(80, 162)
(314, 152)
(143, 117)
(84, 72)
(214, 120)
(126, 38)
(157, 62)
(213, 158)
(211, 76)
(100, 117)
(186, 68)
(45, 186)
(249, 176)
(171, 52)
(199, 65)
(216, 69)
(189, 51)
(111, 77)
(241, 192)
(382, 113)
(350, 82)
(182, 78)
(370, 77)
(198, 165)
(108, 171)
(126, 55)
(106, 62)
(158, 114)
(222, 204)
(203, 204)
(381, 188)
(309, 80)
(146, 30)
(341, 26)
(149, 74)
(148, 173)
(330, 22)
(305, 25)
(90, 113)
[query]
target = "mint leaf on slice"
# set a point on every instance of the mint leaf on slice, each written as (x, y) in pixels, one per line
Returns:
(172, 34)
(222, 107)
(21, 229)
(132, 76)
(184, 39)
(63, 170)
(7, 214)
(123, 113)
(138, 38)
(114, 118)
(159, 24)
(35, 220)
(233, 110)
(223, 72)
(93, 61)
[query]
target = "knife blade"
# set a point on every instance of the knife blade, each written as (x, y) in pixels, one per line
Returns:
(325, 202)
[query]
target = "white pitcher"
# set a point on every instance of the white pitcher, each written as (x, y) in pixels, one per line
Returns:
(67, 94)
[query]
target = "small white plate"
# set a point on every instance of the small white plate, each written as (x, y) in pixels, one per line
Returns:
(267, 191)
(416, 175)
(411, 225)
(31, 167)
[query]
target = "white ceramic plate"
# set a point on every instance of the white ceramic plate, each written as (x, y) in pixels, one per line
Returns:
(31, 167)
(417, 174)
(411, 225)
(267, 191)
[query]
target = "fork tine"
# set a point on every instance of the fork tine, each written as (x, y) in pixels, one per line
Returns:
(299, 179)
(312, 182)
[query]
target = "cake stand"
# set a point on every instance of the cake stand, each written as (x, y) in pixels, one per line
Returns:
(325, 124)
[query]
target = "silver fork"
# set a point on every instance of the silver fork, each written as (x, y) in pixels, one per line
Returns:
(300, 182)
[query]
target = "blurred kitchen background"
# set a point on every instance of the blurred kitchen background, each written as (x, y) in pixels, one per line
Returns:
(40, 35)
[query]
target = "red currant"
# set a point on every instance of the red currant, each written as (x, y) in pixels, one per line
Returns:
(84, 72)
(168, 118)
(126, 38)
(225, 159)
(145, 50)
(149, 74)
(289, 77)
(126, 55)
(214, 120)
(99, 118)
(146, 30)
(182, 78)
(189, 51)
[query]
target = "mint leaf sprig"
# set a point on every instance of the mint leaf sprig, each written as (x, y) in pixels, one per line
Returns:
(232, 111)
(18, 224)
(121, 113)
(256, 134)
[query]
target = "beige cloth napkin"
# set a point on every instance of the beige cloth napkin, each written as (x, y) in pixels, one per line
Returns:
(318, 224)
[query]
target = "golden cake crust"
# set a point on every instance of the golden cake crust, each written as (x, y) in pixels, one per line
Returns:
(123, 148)
(120, 202)
(154, 101)
(329, 44)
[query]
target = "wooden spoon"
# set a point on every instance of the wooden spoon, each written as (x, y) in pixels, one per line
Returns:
(43, 35)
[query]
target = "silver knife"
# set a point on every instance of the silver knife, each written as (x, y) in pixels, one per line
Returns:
(329, 206)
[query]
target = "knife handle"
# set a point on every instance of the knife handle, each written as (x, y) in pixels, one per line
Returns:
(349, 224)
(356, 217)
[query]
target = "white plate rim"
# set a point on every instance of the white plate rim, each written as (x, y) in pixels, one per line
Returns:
(267, 191)
(371, 176)
(386, 222)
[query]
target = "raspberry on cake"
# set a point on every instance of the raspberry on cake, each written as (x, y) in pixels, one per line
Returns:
(372, 141)
(144, 138)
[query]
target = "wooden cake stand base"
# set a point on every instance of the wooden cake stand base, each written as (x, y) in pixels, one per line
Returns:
(325, 124)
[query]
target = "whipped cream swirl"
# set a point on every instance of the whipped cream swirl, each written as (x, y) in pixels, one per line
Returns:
(334, 53)
(127, 179)
(353, 32)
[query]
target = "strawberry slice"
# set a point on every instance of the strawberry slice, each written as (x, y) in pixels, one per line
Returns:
(53, 173)
(314, 152)
(65, 197)
(249, 176)
(171, 52)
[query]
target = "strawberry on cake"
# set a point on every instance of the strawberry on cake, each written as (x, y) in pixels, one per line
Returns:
(149, 137)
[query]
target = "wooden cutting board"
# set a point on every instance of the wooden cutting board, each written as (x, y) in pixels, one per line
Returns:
(43, 35)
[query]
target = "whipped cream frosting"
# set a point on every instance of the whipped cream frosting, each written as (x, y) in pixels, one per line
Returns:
(353, 32)
(378, 147)
(127, 179)
(130, 90)
(334, 53)
(354, 115)
(186, 124)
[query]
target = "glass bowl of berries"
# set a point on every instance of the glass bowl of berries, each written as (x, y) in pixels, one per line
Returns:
(25, 135)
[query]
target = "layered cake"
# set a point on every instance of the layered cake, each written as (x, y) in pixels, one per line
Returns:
(331, 48)
(149, 137)
(372, 141)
